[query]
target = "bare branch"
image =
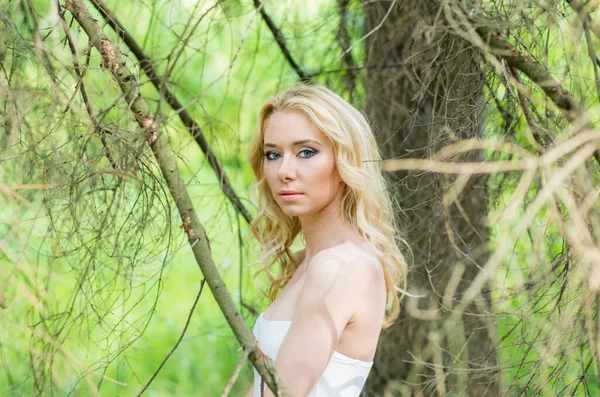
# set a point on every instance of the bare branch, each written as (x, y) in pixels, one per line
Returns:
(235, 375)
(585, 17)
(558, 94)
(592, 54)
(343, 38)
(81, 86)
(561, 97)
(536, 140)
(187, 323)
(187, 120)
(281, 41)
(197, 238)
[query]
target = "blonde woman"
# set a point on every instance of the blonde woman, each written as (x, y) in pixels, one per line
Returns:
(318, 175)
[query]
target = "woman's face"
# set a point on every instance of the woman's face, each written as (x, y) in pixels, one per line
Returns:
(299, 158)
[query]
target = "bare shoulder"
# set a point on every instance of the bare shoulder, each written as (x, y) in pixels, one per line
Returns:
(347, 263)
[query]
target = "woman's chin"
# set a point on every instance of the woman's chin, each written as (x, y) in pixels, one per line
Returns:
(292, 211)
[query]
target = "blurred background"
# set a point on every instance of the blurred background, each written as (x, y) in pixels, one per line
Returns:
(486, 113)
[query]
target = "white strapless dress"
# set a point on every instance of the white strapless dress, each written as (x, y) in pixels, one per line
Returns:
(343, 376)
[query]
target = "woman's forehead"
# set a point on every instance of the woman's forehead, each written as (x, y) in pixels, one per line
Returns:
(291, 128)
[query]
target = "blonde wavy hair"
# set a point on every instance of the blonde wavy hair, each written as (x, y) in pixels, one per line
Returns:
(366, 203)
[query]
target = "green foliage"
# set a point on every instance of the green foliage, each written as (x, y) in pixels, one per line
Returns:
(98, 275)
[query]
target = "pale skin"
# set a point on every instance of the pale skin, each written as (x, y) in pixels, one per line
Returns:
(336, 298)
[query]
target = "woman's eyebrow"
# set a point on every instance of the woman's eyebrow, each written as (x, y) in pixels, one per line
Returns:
(295, 143)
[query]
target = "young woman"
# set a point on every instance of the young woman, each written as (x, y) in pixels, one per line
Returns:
(318, 175)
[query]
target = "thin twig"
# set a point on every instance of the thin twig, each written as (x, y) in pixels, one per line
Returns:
(536, 141)
(187, 323)
(187, 120)
(343, 38)
(592, 54)
(391, 8)
(584, 15)
(81, 86)
(235, 375)
(556, 92)
(112, 61)
(281, 41)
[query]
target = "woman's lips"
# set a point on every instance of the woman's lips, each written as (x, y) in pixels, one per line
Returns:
(289, 197)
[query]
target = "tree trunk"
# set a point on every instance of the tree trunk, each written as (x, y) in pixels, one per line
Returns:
(424, 88)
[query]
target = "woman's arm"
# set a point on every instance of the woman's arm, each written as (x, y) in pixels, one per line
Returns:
(325, 305)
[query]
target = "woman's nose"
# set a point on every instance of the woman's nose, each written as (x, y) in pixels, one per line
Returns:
(287, 170)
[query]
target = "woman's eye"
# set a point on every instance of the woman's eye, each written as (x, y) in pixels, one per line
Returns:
(310, 153)
(269, 157)
(305, 154)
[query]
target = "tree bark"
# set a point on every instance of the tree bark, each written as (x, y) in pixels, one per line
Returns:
(432, 100)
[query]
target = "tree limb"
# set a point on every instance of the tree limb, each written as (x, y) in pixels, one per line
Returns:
(561, 97)
(187, 120)
(200, 245)
(516, 59)
(343, 38)
(281, 41)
